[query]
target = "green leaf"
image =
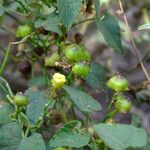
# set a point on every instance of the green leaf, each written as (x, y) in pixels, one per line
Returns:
(69, 136)
(51, 23)
(144, 26)
(97, 6)
(120, 137)
(13, 7)
(38, 81)
(68, 10)
(136, 121)
(36, 107)
(5, 112)
(96, 77)
(2, 10)
(3, 92)
(10, 135)
(147, 147)
(110, 29)
(82, 100)
(34, 142)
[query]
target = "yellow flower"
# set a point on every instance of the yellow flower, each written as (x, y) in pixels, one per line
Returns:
(58, 80)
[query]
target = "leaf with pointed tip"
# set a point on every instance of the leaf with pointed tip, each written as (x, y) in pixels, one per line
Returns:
(82, 100)
(68, 10)
(110, 29)
(51, 23)
(97, 6)
(96, 76)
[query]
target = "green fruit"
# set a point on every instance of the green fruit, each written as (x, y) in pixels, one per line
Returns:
(81, 69)
(20, 100)
(118, 83)
(73, 52)
(87, 56)
(122, 104)
(23, 31)
(50, 61)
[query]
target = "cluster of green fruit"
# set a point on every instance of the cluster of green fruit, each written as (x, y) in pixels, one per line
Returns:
(120, 84)
(79, 57)
(76, 55)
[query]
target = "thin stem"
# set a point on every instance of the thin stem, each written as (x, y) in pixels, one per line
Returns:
(7, 85)
(110, 115)
(73, 111)
(112, 101)
(83, 21)
(8, 51)
(10, 99)
(89, 120)
(95, 147)
(133, 43)
(3, 50)
(3, 88)
(22, 40)
(52, 93)
(16, 112)
(27, 131)
(47, 105)
(5, 60)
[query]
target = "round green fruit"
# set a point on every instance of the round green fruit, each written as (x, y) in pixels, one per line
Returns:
(20, 100)
(122, 104)
(73, 52)
(50, 61)
(118, 83)
(87, 56)
(81, 69)
(23, 31)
